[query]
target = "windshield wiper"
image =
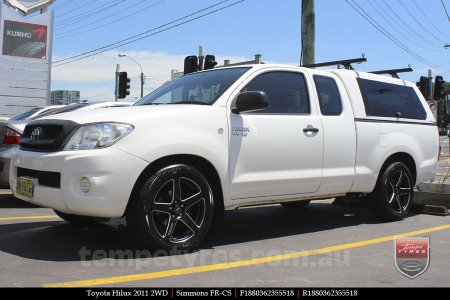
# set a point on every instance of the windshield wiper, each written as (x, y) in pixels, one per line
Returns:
(151, 103)
(191, 102)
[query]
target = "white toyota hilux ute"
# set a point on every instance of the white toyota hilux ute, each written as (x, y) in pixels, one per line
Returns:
(231, 137)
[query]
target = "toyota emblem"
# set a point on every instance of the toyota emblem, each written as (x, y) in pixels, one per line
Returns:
(35, 134)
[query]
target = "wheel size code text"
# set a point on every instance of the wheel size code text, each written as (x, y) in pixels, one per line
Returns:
(266, 293)
(328, 293)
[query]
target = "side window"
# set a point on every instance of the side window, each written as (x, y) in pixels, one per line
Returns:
(329, 97)
(287, 92)
(383, 99)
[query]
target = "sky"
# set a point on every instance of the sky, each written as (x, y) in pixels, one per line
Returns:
(410, 32)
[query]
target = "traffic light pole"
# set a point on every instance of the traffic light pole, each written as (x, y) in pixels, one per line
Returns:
(430, 85)
(142, 72)
(142, 85)
(116, 93)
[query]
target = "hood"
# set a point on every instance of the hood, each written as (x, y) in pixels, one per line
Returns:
(133, 114)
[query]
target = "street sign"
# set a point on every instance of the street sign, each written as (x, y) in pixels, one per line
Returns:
(433, 108)
(22, 39)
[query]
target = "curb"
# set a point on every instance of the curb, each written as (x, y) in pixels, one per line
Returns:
(430, 198)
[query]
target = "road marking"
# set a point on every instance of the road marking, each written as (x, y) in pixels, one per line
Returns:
(237, 264)
(28, 218)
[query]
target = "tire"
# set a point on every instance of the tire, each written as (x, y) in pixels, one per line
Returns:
(296, 205)
(81, 221)
(173, 210)
(392, 197)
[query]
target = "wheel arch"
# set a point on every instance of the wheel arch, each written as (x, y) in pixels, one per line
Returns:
(403, 157)
(198, 162)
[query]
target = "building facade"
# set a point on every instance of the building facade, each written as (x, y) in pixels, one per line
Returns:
(62, 97)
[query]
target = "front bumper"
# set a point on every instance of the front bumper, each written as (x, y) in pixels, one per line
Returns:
(111, 172)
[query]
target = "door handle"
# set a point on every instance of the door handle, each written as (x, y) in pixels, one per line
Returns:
(310, 129)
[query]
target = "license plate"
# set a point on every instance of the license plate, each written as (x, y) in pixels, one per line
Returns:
(24, 187)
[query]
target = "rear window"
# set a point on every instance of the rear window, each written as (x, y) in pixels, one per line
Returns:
(383, 99)
(329, 97)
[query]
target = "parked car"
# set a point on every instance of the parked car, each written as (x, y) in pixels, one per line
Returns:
(11, 130)
(221, 139)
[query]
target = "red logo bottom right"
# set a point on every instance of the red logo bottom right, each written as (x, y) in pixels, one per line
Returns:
(412, 255)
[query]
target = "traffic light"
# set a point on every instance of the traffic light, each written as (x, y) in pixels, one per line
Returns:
(190, 64)
(210, 62)
(439, 88)
(124, 85)
(424, 86)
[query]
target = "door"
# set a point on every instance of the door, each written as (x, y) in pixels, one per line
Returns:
(276, 151)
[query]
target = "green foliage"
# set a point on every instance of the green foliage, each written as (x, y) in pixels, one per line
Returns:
(443, 119)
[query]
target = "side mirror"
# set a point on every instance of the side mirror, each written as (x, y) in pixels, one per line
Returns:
(249, 101)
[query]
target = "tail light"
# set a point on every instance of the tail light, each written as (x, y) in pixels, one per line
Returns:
(12, 137)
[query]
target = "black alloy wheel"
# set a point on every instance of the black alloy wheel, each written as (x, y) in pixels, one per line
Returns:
(174, 209)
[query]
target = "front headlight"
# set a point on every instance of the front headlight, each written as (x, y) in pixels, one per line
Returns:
(98, 135)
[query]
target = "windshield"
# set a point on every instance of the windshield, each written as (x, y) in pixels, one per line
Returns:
(196, 88)
(25, 115)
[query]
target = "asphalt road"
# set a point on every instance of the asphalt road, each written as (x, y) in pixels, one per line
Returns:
(322, 245)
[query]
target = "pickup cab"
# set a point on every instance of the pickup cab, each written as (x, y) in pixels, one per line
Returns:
(222, 139)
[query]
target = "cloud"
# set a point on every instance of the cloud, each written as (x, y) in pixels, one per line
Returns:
(95, 78)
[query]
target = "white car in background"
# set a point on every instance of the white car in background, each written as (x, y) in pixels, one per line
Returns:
(12, 129)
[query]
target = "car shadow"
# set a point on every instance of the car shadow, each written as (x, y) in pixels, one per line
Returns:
(268, 222)
(61, 241)
(9, 201)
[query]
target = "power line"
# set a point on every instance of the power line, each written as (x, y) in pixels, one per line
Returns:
(375, 24)
(87, 14)
(155, 33)
(386, 18)
(443, 5)
(418, 23)
(64, 5)
(146, 33)
(406, 26)
(428, 19)
(74, 9)
(57, 36)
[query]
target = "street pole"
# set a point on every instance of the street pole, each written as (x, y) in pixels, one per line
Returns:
(142, 72)
(308, 32)
(116, 93)
(142, 85)
(430, 85)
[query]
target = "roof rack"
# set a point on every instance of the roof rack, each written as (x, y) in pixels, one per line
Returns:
(347, 63)
(393, 72)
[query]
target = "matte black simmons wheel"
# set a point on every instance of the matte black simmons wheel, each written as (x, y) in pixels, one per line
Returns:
(174, 209)
(392, 198)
